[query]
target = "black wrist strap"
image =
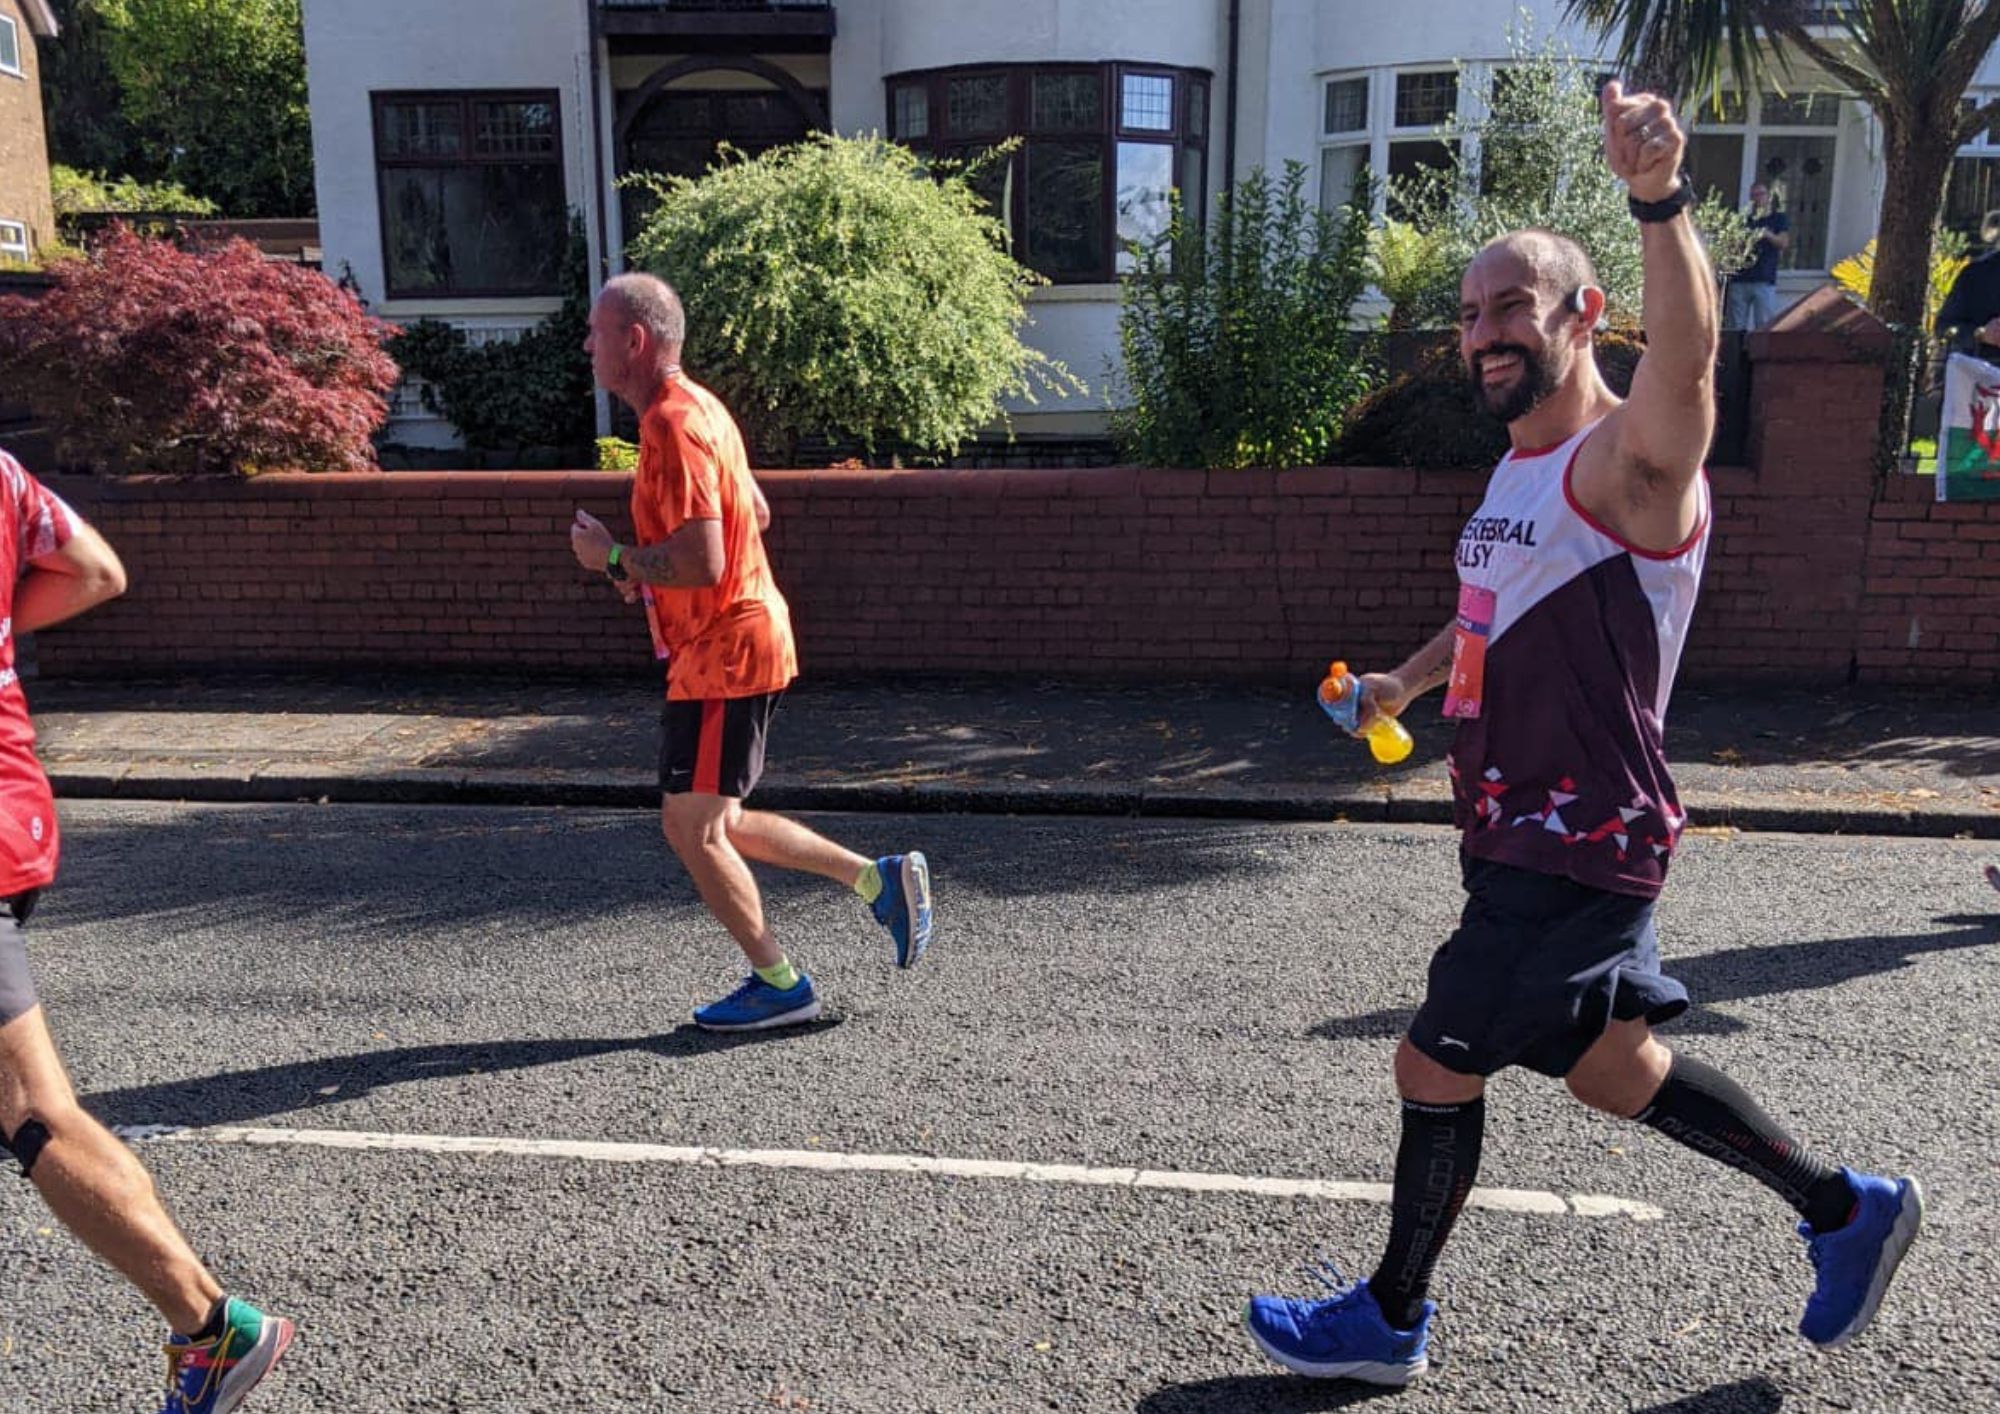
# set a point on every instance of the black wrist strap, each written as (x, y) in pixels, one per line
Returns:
(1665, 209)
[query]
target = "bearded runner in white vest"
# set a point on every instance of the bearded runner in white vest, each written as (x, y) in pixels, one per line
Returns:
(1577, 582)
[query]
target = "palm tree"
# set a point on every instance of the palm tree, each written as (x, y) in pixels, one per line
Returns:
(1909, 60)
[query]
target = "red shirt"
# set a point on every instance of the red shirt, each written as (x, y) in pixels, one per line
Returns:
(33, 522)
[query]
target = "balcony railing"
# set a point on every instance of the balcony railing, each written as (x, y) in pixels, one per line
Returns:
(772, 25)
(766, 6)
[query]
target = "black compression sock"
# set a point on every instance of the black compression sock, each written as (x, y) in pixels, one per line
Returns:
(1704, 1109)
(1435, 1166)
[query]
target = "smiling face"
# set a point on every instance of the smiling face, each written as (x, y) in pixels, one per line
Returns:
(1517, 335)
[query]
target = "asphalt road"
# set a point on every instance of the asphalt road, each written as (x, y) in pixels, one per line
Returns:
(1210, 997)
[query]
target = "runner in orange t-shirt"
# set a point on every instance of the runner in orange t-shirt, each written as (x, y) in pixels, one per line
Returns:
(725, 634)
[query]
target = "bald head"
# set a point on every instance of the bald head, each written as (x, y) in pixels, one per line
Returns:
(637, 328)
(651, 303)
(1545, 261)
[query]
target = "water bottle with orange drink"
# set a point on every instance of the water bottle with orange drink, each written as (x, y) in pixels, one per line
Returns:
(1342, 697)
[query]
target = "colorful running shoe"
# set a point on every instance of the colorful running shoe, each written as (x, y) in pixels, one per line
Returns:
(213, 1376)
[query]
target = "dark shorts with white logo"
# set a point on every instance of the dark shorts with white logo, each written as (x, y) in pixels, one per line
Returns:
(1539, 966)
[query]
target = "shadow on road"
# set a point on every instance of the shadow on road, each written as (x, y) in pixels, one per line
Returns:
(1746, 972)
(240, 1096)
(1756, 1396)
(1268, 1394)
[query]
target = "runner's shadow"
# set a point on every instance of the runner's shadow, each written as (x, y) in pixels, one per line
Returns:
(1742, 973)
(1753, 1396)
(1268, 1394)
(237, 1097)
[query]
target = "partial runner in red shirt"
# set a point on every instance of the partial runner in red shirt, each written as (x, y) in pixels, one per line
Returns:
(724, 635)
(54, 567)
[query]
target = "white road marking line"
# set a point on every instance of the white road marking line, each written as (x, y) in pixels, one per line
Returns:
(1506, 1200)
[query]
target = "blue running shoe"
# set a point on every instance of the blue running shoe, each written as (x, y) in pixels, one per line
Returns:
(1856, 1262)
(1342, 1336)
(758, 1006)
(904, 905)
(213, 1376)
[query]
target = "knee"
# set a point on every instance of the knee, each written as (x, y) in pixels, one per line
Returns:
(1423, 1080)
(1623, 1089)
(26, 1137)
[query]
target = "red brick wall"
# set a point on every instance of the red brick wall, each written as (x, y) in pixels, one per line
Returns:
(1814, 567)
(1931, 612)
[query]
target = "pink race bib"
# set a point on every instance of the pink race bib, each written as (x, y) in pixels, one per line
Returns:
(1467, 689)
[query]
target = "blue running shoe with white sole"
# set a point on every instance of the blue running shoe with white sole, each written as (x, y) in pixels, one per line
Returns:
(213, 1376)
(904, 905)
(1344, 1336)
(758, 1006)
(1856, 1262)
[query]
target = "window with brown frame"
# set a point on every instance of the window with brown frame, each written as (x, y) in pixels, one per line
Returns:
(472, 195)
(1104, 148)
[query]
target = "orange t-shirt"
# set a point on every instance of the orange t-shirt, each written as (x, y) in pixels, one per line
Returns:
(733, 639)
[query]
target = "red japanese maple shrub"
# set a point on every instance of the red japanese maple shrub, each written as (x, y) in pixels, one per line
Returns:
(147, 357)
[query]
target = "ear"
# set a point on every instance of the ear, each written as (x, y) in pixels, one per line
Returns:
(1587, 302)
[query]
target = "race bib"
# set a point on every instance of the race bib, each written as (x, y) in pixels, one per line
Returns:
(1467, 689)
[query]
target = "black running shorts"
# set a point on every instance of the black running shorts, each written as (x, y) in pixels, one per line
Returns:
(715, 746)
(1539, 966)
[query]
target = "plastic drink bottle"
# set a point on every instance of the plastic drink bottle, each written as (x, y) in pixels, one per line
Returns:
(1341, 697)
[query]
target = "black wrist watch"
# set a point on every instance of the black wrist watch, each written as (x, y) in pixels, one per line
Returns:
(613, 567)
(1666, 208)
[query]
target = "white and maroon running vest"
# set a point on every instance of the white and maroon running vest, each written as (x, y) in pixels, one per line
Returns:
(1568, 640)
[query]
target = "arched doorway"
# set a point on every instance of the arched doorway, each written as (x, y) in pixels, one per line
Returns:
(677, 127)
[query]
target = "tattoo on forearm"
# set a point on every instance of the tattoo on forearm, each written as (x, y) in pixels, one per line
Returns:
(650, 564)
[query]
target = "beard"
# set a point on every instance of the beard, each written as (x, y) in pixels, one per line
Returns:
(1537, 379)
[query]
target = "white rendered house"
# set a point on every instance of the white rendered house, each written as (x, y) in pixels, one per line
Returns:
(453, 137)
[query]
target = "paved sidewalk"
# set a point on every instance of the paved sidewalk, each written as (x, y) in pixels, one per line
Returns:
(1876, 762)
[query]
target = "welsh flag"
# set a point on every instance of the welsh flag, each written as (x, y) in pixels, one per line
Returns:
(1968, 466)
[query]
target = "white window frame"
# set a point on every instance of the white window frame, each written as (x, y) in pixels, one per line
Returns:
(1982, 146)
(1381, 132)
(1753, 131)
(1362, 137)
(19, 68)
(20, 249)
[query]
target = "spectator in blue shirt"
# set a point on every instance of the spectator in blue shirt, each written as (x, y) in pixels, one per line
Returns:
(1753, 290)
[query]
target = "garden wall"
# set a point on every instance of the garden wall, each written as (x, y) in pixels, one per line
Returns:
(1818, 570)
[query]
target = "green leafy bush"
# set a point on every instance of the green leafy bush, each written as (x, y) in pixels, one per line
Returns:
(1537, 159)
(836, 290)
(1236, 334)
(85, 193)
(534, 391)
(617, 454)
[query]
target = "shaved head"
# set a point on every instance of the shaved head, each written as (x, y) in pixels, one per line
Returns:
(1548, 261)
(637, 328)
(649, 301)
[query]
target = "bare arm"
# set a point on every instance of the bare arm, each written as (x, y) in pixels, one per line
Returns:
(84, 573)
(763, 507)
(1641, 477)
(691, 558)
(1390, 694)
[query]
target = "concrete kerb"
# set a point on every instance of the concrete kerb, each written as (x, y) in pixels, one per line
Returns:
(228, 784)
